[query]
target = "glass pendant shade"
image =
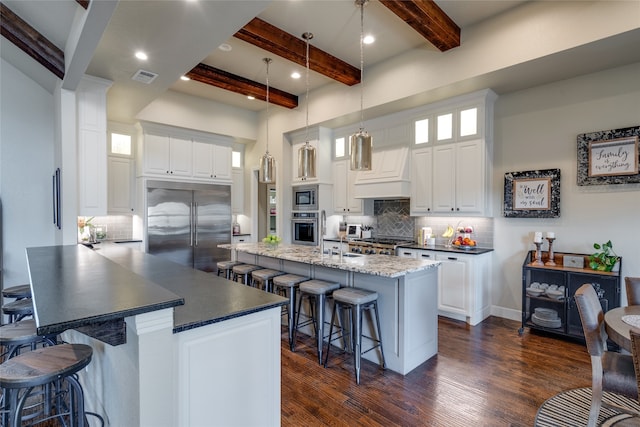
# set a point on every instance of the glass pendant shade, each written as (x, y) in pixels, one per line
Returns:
(307, 161)
(267, 171)
(361, 149)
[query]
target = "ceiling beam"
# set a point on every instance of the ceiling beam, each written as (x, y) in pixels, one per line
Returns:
(83, 3)
(213, 76)
(34, 44)
(429, 20)
(272, 39)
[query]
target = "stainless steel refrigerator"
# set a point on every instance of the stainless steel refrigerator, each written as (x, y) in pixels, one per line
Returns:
(186, 222)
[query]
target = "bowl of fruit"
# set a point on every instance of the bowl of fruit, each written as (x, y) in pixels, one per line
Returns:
(272, 240)
(463, 239)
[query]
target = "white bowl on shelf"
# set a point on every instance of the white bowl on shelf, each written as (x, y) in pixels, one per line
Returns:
(554, 293)
(534, 292)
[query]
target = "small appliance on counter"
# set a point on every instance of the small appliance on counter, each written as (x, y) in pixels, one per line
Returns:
(354, 231)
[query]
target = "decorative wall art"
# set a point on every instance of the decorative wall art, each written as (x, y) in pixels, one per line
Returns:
(532, 194)
(609, 157)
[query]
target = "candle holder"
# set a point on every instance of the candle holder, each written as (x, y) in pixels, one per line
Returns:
(550, 261)
(538, 260)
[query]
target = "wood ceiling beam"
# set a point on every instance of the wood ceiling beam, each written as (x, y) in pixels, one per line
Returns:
(213, 76)
(429, 20)
(83, 3)
(272, 39)
(34, 44)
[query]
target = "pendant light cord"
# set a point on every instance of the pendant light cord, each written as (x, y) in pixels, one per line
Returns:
(307, 36)
(267, 61)
(362, 3)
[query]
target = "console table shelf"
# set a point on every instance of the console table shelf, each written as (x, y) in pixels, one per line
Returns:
(606, 284)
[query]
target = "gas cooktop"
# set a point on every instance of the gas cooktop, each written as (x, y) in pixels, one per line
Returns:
(385, 241)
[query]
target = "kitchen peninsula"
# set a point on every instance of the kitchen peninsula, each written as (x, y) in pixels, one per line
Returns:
(188, 345)
(407, 293)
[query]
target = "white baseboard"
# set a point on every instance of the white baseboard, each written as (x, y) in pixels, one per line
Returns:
(506, 313)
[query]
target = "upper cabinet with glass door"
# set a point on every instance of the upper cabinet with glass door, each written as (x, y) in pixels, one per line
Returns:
(450, 165)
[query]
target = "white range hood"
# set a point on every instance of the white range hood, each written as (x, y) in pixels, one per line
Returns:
(389, 177)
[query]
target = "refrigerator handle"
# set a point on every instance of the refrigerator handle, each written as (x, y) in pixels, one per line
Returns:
(191, 225)
(195, 222)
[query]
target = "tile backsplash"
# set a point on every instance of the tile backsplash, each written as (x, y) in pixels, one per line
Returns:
(117, 227)
(393, 218)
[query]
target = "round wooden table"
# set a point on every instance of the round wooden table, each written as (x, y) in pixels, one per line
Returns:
(618, 330)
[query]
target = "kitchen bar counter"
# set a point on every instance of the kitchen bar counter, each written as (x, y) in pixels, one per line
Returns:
(407, 294)
(191, 337)
(375, 265)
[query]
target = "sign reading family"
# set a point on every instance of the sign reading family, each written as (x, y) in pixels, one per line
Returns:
(613, 157)
(532, 193)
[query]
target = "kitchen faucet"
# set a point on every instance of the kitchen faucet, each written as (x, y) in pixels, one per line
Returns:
(323, 230)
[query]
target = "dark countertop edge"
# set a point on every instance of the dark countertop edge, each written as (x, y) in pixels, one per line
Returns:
(196, 325)
(441, 248)
(63, 326)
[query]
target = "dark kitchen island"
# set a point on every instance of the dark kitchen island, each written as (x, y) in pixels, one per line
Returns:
(172, 345)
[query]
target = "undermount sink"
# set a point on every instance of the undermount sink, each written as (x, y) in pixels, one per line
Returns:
(351, 255)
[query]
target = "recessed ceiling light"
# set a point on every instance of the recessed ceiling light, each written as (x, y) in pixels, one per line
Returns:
(368, 39)
(225, 47)
(184, 78)
(295, 75)
(251, 97)
(141, 55)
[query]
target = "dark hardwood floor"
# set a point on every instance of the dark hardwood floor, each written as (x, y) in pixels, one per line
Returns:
(486, 375)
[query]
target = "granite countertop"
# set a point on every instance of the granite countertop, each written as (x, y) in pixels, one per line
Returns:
(442, 248)
(377, 265)
(77, 286)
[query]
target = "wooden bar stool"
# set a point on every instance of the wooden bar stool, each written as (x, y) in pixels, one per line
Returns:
(355, 301)
(315, 291)
(18, 310)
(52, 367)
(287, 285)
(17, 292)
(243, 271)
(225, 267)
(17, 335)
(264, 278)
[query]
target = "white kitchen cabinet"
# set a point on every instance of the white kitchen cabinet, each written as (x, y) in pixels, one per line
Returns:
(241, 238)
(167, 155)
(91, 104)
(343, 181)
(421, 181)
(464, 286)
(416, 254)
(121, 185)
(459, 178)
(388, 177)
(237, 191)
(211, 161)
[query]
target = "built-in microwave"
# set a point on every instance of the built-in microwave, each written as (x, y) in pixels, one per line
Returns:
(305, 198)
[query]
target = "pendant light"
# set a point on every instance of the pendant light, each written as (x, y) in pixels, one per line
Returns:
(361, 143)
(267, 172)
(307, 153)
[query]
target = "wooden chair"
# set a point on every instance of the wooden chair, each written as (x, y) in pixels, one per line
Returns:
(633, 290)
(610, 371)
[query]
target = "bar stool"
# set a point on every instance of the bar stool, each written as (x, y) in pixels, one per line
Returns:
(15, 336)
(356, 301)
(287, 285)
(18, 310)
(264, 278)
(17, 292)
(225, 267)
(49, 366)
(243, 271)
(317, 290)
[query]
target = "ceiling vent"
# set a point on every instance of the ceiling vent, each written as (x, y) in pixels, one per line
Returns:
(144, 76)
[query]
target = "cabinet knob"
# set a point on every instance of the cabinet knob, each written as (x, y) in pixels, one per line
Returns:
(452, 209)
(457, 209)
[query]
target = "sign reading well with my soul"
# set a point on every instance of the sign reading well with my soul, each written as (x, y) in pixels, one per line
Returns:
(531, 194)
(614, 157)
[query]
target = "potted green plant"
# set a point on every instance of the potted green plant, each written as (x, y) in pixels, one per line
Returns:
(605, 258)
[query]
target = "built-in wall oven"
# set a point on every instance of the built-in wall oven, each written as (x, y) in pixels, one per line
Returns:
(304, 228)
(305, 198)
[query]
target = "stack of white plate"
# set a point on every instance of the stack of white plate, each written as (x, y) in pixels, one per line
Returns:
(546, 317)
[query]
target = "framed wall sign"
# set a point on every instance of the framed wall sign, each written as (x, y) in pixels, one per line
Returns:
(609, 157)
(532, 194)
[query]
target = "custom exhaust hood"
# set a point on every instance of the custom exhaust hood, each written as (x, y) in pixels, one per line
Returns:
(389, 177)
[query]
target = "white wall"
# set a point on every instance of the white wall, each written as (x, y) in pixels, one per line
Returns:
(26, 169)
(537, 129)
